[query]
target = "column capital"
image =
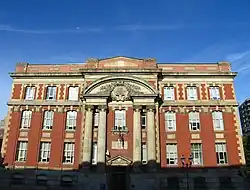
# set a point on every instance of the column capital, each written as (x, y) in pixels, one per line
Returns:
(89, 107)
(137, 107)
(150, 107)
(102, 107)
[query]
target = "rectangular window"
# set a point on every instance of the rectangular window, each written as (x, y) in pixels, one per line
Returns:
(51, 93)
(94, 154)
(144, 153)
(73, 93)
(221, 153)
(170, 121)
(30, 93)
(71, 120)
(194, 121)
(192, 93)
(143, 120)
(96, 119)
(26, 119)
(196, 150)
(68, 153)
(218, 120)
(169, 93)
(120, 120)
(44, 152)
(172, 156)
(48, 120)
(21, 153)
(214, 92)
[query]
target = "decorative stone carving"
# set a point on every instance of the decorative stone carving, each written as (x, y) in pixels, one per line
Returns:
(120, 90)
(89, 107)
(119, 161)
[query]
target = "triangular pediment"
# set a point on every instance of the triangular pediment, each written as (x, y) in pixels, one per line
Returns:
(119, 161)
(120, 62)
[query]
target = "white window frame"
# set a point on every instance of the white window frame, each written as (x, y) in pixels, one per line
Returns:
(73, 93)
(51, 93)
(218, 120)
(21, 151)
(144, 154)
(194, 121)
(45, 148)
(96, 119)
(71, 120)
(68, 153)
(26, 119)
(94, 153)
(214, 92)
(30, 93)
(196, 151)
(221, 153)
(48, 120)
(192, 93)
(171, 154)
(120, 119)
(143, 120)
(169, 93)
(170, 121)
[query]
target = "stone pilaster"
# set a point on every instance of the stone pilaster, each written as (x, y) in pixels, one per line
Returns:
(151, 149)
(87, 141)
(101, 142)
(137, 136)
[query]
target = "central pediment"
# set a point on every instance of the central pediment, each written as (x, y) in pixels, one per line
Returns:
(120, 62)
(119, 161)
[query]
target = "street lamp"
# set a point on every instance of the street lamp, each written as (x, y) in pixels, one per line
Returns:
(187, 163)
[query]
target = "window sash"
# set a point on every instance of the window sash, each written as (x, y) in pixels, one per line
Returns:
(45, 151)
(194, 121)
(30, 93)
(170, 121)
(94, 153)
(71, 120)
(144, 154)
(171, 154)
(73, 93)
(26, 119)
(218, 120)
(51, 93)
(196, 151)
(214, 93)
(192, 93)
(22, 151)
(48, 119)
(221, 153)
(169, 93)
(68, 152)
(143, 120)
(120, 119)
(96, 119)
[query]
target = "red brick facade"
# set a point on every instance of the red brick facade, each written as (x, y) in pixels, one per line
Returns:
(82, 75)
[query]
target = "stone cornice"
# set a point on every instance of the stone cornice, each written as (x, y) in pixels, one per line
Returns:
(200, 74)
(43, 103)
(46, 74)
(119, 70)
(199, 103)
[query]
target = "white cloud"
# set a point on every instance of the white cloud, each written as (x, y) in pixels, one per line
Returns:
(9, 28)
(240, 61)
(139, 27)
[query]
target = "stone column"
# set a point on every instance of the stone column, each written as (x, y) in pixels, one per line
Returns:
(151, 136)
(87, 141)
(101, 141)
(137, 136)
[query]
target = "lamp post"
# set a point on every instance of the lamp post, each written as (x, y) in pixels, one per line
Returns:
(187, 163)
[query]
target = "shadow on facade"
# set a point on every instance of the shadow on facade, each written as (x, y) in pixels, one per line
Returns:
(131, 177)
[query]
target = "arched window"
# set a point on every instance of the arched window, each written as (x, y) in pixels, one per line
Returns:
(48, 119)
(66, 181)
(41, 179)
(218, 120)
(71, 120)
(200, 183)
(170, 121)
(194, 121)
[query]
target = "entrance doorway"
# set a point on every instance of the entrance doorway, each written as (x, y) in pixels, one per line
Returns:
(118, 178)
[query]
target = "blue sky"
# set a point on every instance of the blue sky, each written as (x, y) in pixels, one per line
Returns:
(53, 31)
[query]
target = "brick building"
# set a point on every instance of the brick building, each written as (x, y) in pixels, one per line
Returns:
(105, 115)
